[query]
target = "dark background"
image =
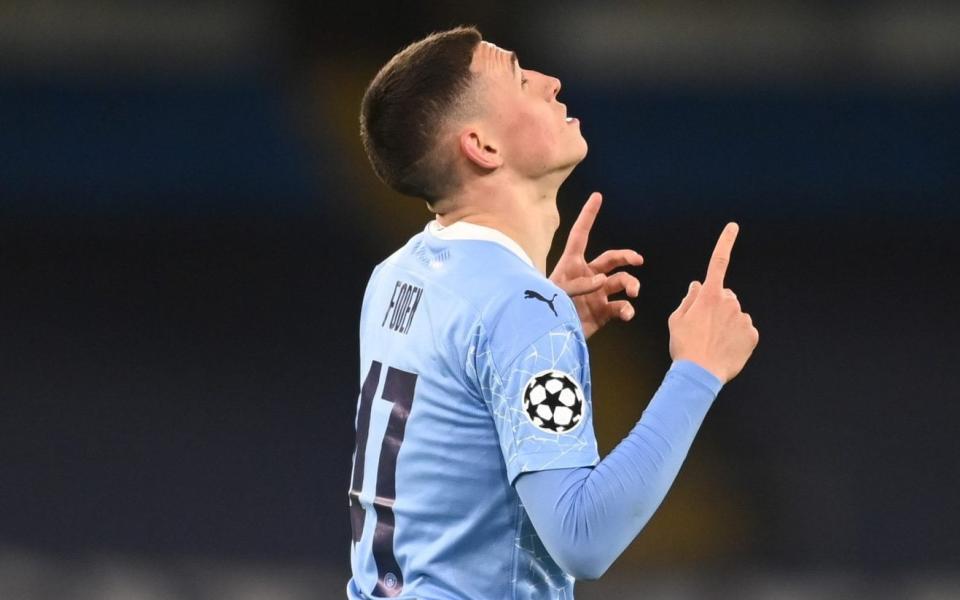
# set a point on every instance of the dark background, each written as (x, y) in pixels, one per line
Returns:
(187, 223)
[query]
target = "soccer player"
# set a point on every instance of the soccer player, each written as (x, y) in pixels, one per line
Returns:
(476, 473)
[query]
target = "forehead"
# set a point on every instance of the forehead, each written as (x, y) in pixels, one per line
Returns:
(488, 57)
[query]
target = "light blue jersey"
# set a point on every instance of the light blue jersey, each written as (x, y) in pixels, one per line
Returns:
(473, 370)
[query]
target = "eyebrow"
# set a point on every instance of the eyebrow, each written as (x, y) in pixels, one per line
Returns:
(514, 60)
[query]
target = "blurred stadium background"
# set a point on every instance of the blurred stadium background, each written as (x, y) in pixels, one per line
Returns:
(188, 222)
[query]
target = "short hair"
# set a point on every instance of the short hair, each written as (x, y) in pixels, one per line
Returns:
(406, 105)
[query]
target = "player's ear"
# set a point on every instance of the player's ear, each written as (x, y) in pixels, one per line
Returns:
(479, 149)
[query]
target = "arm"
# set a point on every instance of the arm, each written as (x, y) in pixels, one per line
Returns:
(587, 516)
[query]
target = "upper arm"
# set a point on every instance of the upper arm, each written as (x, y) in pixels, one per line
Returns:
(532, 369)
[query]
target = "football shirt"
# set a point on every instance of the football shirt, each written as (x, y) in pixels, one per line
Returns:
(473, 369)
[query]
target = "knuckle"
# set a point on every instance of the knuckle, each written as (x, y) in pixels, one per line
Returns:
(710, 293)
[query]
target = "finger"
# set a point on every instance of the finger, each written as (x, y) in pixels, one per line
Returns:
(692, 292)
(580, 232)
(612, 259)
(621, 281)
(620, 309)
(730, 295)
(584, 285)
(721, 257)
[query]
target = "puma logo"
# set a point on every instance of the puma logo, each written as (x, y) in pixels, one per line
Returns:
(527, 294)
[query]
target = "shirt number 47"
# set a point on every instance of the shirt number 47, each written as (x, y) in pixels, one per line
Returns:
(398, 389)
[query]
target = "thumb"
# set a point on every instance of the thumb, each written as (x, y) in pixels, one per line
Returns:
(687, 301)
(583, 285)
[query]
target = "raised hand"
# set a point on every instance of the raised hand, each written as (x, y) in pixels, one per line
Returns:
(589, 284)
(708, 327)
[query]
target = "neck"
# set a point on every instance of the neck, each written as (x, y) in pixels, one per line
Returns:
(526, 212)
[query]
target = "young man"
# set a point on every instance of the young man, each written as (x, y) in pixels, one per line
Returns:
(476, 472)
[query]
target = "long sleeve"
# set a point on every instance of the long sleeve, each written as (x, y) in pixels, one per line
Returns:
(587, 516)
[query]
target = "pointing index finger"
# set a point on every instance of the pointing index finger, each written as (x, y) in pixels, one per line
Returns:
(720, 259)
(580, 232)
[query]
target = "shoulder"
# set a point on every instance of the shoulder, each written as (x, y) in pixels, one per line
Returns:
(523, 307)
(484, 286)
(502, 288)
(529, 300)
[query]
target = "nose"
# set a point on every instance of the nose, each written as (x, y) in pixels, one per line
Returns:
(554, 86)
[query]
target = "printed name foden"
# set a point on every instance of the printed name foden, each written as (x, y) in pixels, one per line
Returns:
(403, 305)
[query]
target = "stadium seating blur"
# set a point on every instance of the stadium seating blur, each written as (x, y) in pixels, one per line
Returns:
(188, 222)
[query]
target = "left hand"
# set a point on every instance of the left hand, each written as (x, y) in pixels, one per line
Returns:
(589, 284)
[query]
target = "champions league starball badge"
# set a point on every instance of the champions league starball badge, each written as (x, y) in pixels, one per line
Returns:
(553, 401)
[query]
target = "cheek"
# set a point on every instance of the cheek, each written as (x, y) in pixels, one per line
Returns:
(534, 134)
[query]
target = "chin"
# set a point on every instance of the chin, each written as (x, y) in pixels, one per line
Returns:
(585, 147)
(579, 153)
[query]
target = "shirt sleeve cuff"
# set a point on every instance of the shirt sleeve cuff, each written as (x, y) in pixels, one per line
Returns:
(697, 374)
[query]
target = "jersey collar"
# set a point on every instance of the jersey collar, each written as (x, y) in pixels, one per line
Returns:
(461, 230)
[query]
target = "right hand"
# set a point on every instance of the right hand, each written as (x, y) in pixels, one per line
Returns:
(708, 327)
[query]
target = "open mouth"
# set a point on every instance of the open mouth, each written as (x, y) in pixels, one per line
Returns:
(571, 120)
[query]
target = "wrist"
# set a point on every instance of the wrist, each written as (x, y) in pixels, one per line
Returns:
(705, 367)
(696, 372)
